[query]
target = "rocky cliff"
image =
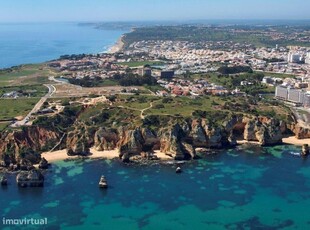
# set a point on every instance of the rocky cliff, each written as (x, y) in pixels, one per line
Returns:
(178, 140)
(300, 132)
(25, 143)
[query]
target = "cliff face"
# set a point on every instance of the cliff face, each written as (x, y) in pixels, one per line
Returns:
(22, 144)
(178, 141)
(106, 139)
(78, 141)
(300, 132)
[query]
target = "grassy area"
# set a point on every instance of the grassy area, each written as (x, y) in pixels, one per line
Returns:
(108, 82)
(26, 74)
(279, 75)
(3, 126)
(155, 88)
(140, 63)
(26, 90)
(184, 106)
(11, 108)
(136, 102)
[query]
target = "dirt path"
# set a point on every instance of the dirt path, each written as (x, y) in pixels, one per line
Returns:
(143, 110)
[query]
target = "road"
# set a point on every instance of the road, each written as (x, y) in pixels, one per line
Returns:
(36, 108)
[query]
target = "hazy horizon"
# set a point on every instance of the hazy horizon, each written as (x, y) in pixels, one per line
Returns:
(156, 10)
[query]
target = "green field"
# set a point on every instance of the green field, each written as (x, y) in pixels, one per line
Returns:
(184, 106)
(3, 125)
(25, 74)
(279, 75)
(11, 108)
(27, 90)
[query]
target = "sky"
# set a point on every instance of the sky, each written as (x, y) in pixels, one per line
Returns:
(142, 10)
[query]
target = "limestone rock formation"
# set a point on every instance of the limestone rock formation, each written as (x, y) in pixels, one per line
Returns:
(267, 132)
(131, 143)
(106, 139)
(305, 150)
(33, 178)
(26, 143)
(78, 142)
(43, 163)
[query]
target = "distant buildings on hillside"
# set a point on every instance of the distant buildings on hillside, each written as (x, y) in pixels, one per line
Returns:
(297, 96)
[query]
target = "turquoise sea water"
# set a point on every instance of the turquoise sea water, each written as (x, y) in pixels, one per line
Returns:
(39, 42)
(244, 188)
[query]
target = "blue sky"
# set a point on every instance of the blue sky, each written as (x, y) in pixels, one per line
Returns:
(122, 10)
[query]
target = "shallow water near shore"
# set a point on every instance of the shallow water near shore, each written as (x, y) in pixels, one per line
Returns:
(247, 187)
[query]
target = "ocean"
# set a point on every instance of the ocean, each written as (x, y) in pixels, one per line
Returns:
(39, 42)
(248, 187)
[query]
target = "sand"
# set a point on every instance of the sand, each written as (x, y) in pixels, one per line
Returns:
(62, 155)
(117, 47)
(295, 141)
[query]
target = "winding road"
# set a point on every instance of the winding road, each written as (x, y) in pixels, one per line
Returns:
(36, 108)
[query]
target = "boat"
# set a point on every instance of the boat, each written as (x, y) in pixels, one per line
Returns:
(103, 182)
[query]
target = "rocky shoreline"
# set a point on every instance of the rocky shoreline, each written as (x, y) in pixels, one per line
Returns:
(179, 141)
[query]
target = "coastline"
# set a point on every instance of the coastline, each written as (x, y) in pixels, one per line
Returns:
(111, 154)
(294, 141)
(117, 47)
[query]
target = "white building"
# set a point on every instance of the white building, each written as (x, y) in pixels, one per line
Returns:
(307, 61)
(296, 96)
(282, 92)
(294, 58)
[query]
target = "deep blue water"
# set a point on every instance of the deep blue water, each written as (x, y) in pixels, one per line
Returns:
(244, 188)
(34, 43)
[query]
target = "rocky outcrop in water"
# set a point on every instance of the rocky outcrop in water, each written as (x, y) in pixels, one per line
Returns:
(33, 178)
(3, 180)
(43, 163)
(305, 150)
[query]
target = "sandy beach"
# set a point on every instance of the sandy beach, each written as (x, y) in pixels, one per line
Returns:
(118, 46)
(111, 154)
(62, 155)
(294, 141)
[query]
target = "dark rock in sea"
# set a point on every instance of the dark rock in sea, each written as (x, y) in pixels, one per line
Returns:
(125, 157)
(33, 178)
(178, 170)
(25, 164)
(305, 150)
(3, 181)
(103, 182)
(43, 164)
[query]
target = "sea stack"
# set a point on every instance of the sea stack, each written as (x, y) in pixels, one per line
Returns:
(103, 182)
(3, 181)
(43, 163)
(305, 150)
(34, 178)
